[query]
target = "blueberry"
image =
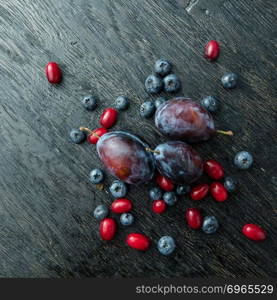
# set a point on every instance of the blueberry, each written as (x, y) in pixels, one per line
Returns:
(170, 198)
(243, 160)
(77, 136)
(172, 83)
(153, 84)
(155, 193)
(89, 103)
(126, 219)
(230, 184)
(121, 103)
(229, 80)
(147, 109)
(182, 190)
(162, 67)
(210, 224)
(96, 176)
(210, 103)
(101, 211)
(166, 245)
(118, 189)
(159, 101)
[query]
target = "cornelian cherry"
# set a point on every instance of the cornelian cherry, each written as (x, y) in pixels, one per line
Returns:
(121, 205)
(193, 218)
(164, 183)
(254, 232)
(107, 229)
(213, 169)
(53, 72)
(159, 206)
(94, 136)
(212, 50)
(108, 117)
(199, 191)
(218, 191)
(138, 241)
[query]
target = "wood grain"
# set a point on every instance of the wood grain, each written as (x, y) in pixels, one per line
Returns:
(107, 48)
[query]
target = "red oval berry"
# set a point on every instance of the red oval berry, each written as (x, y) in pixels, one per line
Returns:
(193, 218)
(199, 191)
(164, 183)
(94, 136)
(254, 232)
(108, 117)
(122, 205)
(213, 169)
(212, 50)
(218, 191)
(159, 206)
(53, 72)
(138, 241)
(107, 229)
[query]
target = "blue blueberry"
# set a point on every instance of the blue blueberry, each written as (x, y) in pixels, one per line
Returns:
(153, 84)
(210, 103)
(96, 176)
(101, 212)
(77, 136)
(162, 67)
(159, 101)
(230, 184)
(166, 245)
(126, 219)
(89, 103)
(172, 83)
(243, 160)
(182, 190)
(210, 224)
(229, 80)
(155, 193)
(147, 109)
(121, 103)
(118, 189)
(170, 198)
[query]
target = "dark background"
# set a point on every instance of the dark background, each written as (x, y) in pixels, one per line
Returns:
(108, 48)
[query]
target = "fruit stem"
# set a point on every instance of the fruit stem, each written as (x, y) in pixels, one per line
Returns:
(89, 131)
(229, 132)
(153, 151)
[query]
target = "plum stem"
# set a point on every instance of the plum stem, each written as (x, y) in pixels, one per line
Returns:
(89, 131)
(229, 132)
(153, 151)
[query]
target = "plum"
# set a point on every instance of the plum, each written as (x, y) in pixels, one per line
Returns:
(125, 157)
(179, 162)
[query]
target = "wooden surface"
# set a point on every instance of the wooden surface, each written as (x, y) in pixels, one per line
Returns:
(107, 48)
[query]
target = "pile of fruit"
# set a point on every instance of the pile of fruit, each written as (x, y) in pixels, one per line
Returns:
(175, 165)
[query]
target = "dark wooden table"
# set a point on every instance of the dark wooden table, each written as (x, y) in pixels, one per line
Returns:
(107, 48)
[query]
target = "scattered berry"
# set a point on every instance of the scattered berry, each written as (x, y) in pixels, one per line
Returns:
(155, 193)
(254, 232)
(53, 73)
(170, 198)
(166, 245)
(94, 136)
(162, 67)
(164, 183)
(126, 219)
(159, 101)
(210, 224)
(229, 80)
(153, 84)
(89, 103)
(121, 103)
(230, 184)
(108, 117)
(96, 176)
(243, 160)
(183, 190)
(213, 169)
(199, 192)
(212, 50)
(159, 206)
(107, 229)
(118, 189)
(138, 241)
(194, 218)
(218, 191)
(101, 212)
(77, 136)
(172, 83)
(121, 205)
(147, 109)
(210, 103)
